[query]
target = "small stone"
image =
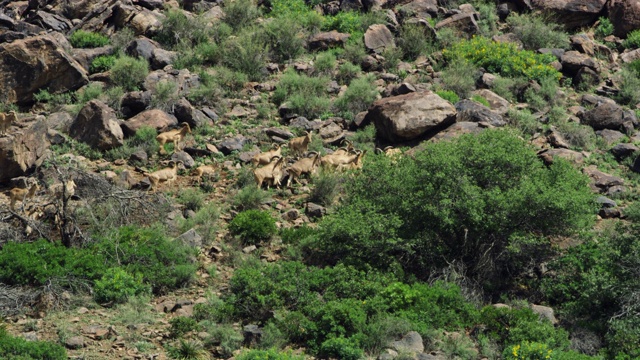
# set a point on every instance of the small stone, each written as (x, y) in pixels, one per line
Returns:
(74, 342)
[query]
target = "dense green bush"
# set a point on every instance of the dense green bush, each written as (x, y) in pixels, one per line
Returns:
(37, 262)
(414, 41)
(17, 348)
(164, 264)
(633, 40)
(253, 226)
(271, 354)
(102, 63)
(181, 325)
(305, 95)
(537, 32)
(180, 30)
(117, 286)
(629, 83)
(460, 77)
(247, 53)
(448, 95)
(360, 94)
(604, 28)
(473, 215)
(341, 348)
(129, 72)
(528, 351)
(284, 38)
(87, 39)
(503, 58)
(240, 13)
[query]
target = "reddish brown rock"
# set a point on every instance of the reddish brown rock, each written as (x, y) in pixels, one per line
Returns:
(154, 118)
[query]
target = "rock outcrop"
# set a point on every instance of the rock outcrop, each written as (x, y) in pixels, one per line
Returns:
(24, 151)
(97, 126)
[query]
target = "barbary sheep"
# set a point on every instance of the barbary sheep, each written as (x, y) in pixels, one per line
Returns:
(356, 163)
(68, 189)
(299, 145)
(264, 158)
(173, 136)
(271, 172)
(167, 175)
(6, 120)
(16, 194)
(336, 161)
(303, 166)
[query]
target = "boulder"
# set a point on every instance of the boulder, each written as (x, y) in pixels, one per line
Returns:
(325, 40)
(186, 159)
(410, 116)
(97, 126)
(607, 116)
(623, 151)
(624, 15)
(573, 61)
(184, 79)
(85, 57)
(544, 312)
(232, 144)
(34, 63)
(465, 22)
(610, 137)
(471, 111)
(49, 21)
(185, 112)
(548, 155)
(135, 102)
(601, 181)
(190, 238)
(421, 9)
(315, 210)
(571, 13)
(154, 118)
(378, 37)
(23, 151)
(629, 56)
(457, 129)
(410, 343)
(151, 51)
(497, 103)
(142, 21)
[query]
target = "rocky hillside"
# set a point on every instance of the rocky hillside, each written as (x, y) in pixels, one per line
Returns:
(284, 179)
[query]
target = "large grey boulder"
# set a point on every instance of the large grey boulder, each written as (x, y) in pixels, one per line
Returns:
(625, 16)
(97, 126)
(410, 116)
(410, 343)
(39, 62)
(607, 116)
(571, 13)
(154, 118)
(22, 151)
(471, 111)
(378, 37)
(325, 40)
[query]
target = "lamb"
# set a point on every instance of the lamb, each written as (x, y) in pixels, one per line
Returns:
(265, 157)
(201, 170)
(68, 189)
(303, 166)
(22, 194)
(271, 172)
(299, 145)
(173, 136)
(164, 175)
(6, 120)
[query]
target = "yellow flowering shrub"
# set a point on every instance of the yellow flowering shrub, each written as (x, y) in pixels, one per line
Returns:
(528, 351)
(503, 58)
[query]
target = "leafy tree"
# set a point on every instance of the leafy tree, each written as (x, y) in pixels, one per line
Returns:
(476, 199)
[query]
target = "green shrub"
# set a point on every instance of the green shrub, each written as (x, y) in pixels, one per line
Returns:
(294, 235)
(325, 63)
(460, 77)
(89, 92)
(633, 40)
(187, 350)
(503, 58)
(87, 39)
(354, 50)
(604, 28)
(181, 325)
(297, 9)
(481, 100)
(250, 197)
(179, 30)
(284, 38)
(305, 95)
(129, 72)
(360, 94)
(629, 84)
(271, 354)
(165, 95)
(414, 41)
(240, 13)
(248, 54)
(579, 136)
(253, 226)
(226, 337)
(17, 348)
(529, 351)
(102, 63)
(325, 188)
(523, 120)
(37, 262)
(512, 326)
(192, 199)
(341, 348)
(117, 286)
(454, 197)
(347, 72)
(164, 264)
(537, 32)
(448, 95)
